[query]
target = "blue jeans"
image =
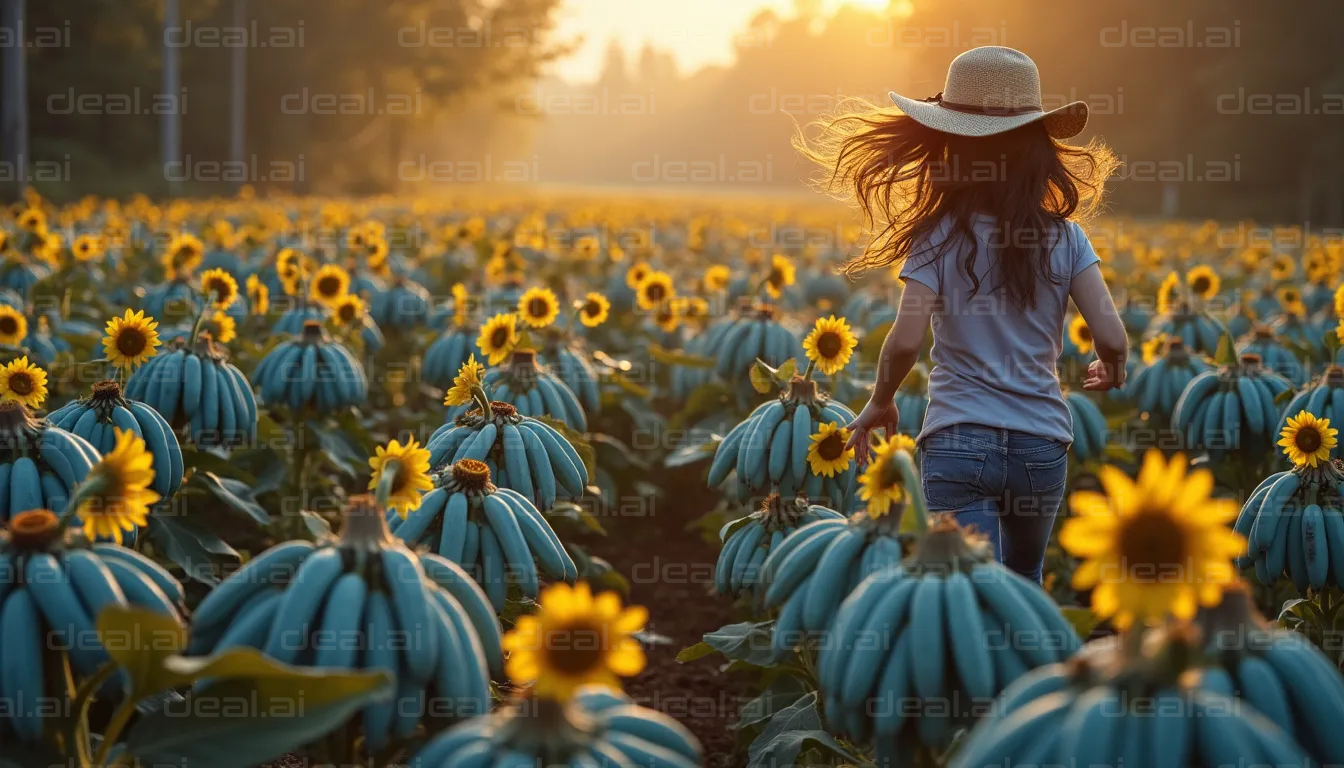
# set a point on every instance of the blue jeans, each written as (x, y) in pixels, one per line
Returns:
(1007, 484)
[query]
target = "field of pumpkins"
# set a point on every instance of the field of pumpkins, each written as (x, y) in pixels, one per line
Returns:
(474, 483)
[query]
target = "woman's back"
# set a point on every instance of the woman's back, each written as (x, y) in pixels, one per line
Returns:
(994, 362)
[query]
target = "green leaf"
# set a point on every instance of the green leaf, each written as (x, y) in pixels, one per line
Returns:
(786, 370)
(782, 693)
(1283, 397)
(140, 641)
(316, 524)
(671, 357)
(696, 450)
(208, 461)
(236, 494)
(254, 719)
(190, 546)
(576, 513)
(768, 750)
(763, 378)
(1082, 619)
(1227, 348)
(747, 641)
(344, 456)
(694, 652)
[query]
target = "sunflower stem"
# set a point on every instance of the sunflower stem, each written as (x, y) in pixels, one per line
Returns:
(482, 399)
(811, 365)
(387, 481)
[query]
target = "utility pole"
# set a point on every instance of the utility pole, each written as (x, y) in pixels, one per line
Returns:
(238, 130)
(14, 94)
(172, 118)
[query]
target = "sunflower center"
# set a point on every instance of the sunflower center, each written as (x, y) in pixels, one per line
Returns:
(21, 383)
(592, 309)
(829, 344)
(1085, 333)
(776, 276)
(346, 313)
(329, 286)
(8, 325)
(1151, 540)
(1201, 284)
(471, 474)
(574, 648)
(655, 292)
(130, 342)
(34, 528)
(500, 337)
(1308, 439)
(217, 288)
(538, 307)
(832, 447)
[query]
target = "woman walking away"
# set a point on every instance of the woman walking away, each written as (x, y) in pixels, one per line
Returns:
(972, 194)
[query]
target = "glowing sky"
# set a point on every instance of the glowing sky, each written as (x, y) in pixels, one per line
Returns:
(697, 32)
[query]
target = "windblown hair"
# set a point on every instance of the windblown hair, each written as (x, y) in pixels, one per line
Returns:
(907, 179)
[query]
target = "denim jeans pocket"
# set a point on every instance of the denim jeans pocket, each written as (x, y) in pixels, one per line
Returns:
(952, 478)
(1048, 476)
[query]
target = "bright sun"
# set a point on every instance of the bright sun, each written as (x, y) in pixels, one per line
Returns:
(900, 8)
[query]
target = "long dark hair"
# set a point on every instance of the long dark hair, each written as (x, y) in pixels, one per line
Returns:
(907, 178)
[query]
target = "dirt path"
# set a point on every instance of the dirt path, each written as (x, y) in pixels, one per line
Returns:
(671, 573)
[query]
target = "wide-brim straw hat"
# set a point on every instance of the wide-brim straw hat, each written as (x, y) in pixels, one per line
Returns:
(990, 90)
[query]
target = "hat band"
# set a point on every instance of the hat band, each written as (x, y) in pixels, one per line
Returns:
(971, 109)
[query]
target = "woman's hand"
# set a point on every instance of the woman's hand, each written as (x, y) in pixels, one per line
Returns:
(1103, 376)
(873, 416)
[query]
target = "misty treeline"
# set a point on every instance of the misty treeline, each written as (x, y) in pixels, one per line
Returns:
(1220, 108)
(335, 88)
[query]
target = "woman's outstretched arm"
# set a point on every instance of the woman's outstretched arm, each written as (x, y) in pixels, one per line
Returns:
(899, 353)
(1093, 299)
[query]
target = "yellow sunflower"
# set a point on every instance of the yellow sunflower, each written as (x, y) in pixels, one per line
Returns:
(1154, 547)
(1168, 294)
(468, 378)
(183, 255)
(654, 290)
(574, 639)
(33, 220)
(782, 275)
(593, 310)
(131, 339)
(830, 345)
(880, 485)
(827, 455)
(23, 382)
(222, 327)
(115, 496)
(349, 309)
(668, 315)
(461, 304)
(87, 247)
(329, 284)
(1203, 282)
(1339, 301)
(538, 307)
(13, 326)
(1290, 299)
(219, 287)
(258, 296)
(1283, 267)
(407, 470)
(1308, 440)
(1080, 335)
(636, 274)
(717, 277)
(498, 336)
(1152, 348)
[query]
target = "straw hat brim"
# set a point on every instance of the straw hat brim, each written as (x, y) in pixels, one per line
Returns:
(1061, 123)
